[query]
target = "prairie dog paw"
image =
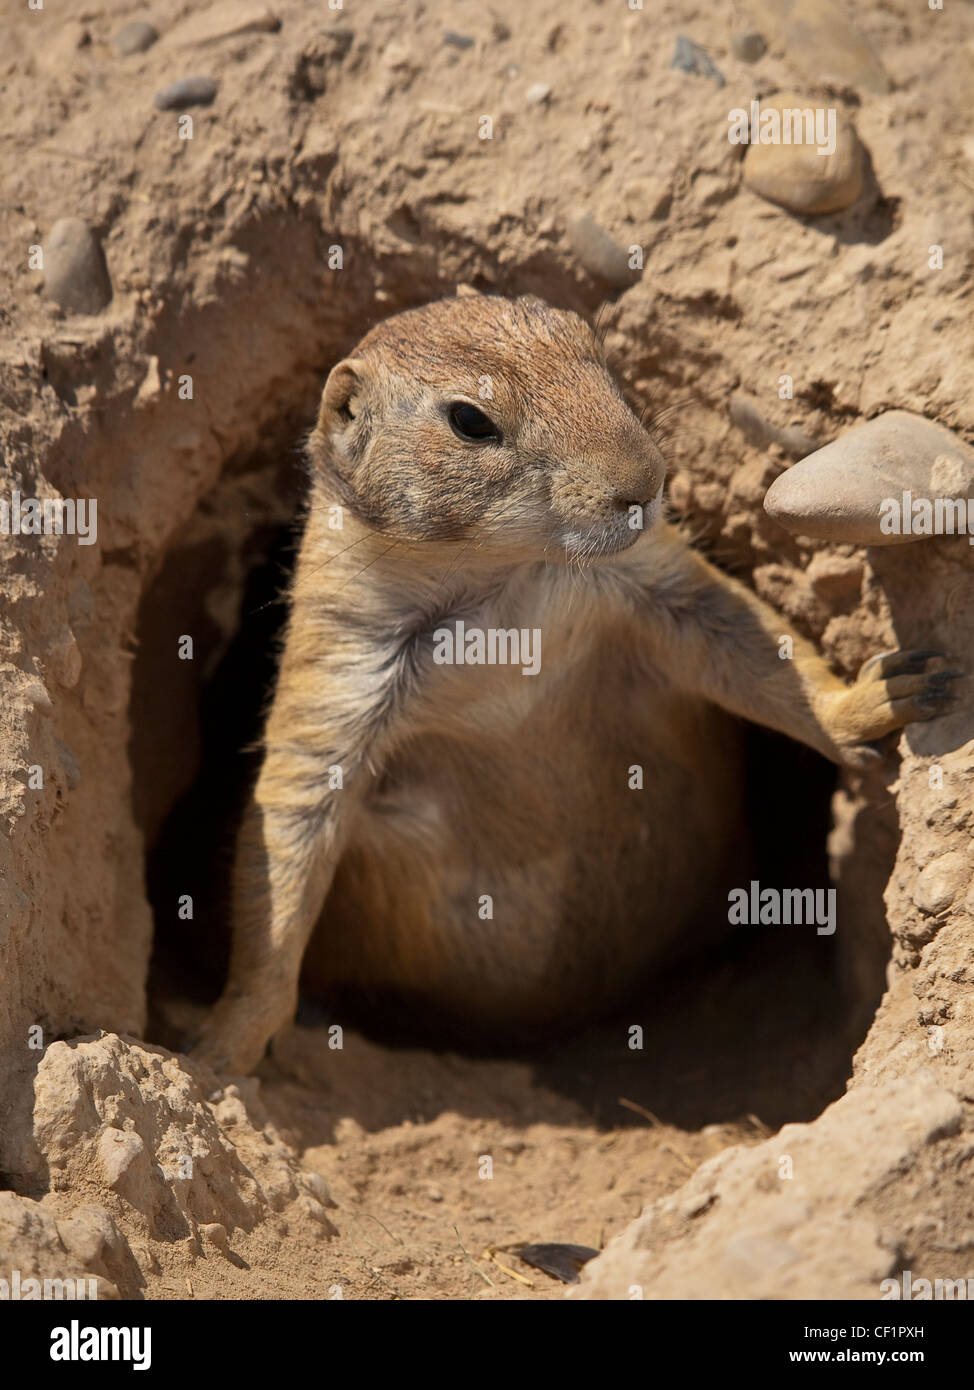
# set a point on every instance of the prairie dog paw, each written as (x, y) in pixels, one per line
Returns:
(227, 1056)
(234, 1037)
(892, 689)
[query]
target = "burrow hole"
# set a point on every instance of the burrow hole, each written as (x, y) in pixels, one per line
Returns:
(765, 1024)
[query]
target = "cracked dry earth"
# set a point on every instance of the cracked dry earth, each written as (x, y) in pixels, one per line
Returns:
(358, 1172)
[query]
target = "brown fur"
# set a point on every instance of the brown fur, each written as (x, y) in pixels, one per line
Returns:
(463, 781)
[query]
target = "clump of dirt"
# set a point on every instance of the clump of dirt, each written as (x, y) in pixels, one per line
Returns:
(347, 165)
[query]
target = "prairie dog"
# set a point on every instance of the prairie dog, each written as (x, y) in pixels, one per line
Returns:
(470, 832)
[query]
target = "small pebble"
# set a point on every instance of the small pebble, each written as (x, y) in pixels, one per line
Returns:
(318, 1187)
(941, 883)
(748, 46)
(598, 253)
(75, 273)
(690, 57)
(135, 38)
(458, 40)
(215, 1233)
(189, 91)
(537, 94)
(797, 176)
(747, 416)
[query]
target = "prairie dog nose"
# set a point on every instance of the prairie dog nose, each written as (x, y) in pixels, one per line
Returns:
(637, 481)
(633, 498)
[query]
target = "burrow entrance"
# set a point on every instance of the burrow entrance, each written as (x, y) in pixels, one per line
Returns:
(765, 1025)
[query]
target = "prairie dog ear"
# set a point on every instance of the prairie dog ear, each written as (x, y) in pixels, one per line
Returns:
(342, 393)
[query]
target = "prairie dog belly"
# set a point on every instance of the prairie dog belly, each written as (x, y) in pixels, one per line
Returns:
(510, 866)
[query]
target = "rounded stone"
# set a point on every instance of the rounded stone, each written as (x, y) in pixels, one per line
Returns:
(318, 1187)
(797, 176)
(846, 491)
(215, 1233)
(748, 46)
(747, 416)
(135, 37)
(188, 91)
(602, 257)
(75, 274)
(941, 882)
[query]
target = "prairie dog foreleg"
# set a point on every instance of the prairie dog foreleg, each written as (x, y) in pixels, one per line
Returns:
(334, 710)
(716, 638)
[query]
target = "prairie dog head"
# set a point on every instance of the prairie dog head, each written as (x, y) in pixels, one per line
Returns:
(488, 419)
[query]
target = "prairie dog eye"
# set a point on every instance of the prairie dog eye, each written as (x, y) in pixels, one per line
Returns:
(467, 422)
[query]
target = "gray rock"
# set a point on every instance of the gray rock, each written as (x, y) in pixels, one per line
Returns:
(820, 39)
(456, 40)
(598, 253)
(135, 37)
(746, 415)
(690, 57)
(795, 442)
(188, 91)
(847, 491)
(75, 274)
(748, 46)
